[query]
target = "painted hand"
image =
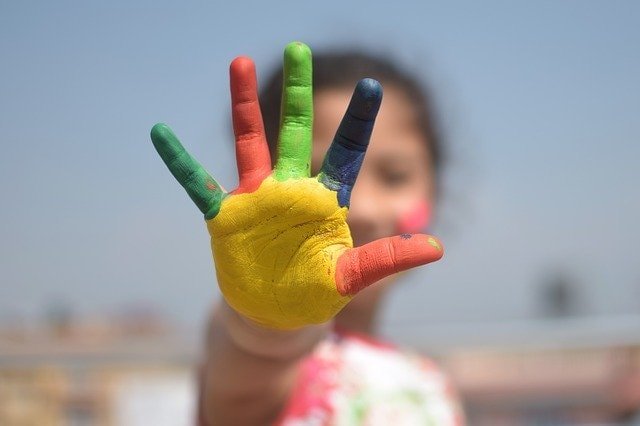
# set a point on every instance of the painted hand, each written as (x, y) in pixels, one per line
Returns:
(282, 249)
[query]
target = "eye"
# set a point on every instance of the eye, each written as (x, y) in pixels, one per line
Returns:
(394, 178)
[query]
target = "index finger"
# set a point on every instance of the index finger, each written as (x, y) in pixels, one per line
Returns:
(296, 119)
(346, 153)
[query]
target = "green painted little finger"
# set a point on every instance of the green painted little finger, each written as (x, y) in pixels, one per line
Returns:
(201, 187)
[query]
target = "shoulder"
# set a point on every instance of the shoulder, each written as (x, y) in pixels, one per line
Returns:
(352, 379)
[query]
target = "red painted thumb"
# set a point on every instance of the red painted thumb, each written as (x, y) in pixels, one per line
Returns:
(360, 267)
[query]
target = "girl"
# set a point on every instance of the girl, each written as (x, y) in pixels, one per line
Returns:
(290, 343)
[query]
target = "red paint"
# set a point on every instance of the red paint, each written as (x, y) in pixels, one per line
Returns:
(416, 219)
(252, 151)
(362, 266)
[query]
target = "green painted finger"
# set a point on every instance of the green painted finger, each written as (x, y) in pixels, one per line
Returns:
(201, 187)
(296, 119)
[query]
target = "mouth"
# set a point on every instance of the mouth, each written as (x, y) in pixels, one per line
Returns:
(364, 239)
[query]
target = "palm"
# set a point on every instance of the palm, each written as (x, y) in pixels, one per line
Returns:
(281, 245)
(286, 247)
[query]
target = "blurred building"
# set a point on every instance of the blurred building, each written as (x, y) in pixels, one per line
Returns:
(132, 372)
(555, 372)
(139, 371)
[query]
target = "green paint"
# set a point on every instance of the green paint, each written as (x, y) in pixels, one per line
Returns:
(201, 187)
(296, 117)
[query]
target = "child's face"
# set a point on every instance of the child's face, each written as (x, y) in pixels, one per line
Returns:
(395, 182)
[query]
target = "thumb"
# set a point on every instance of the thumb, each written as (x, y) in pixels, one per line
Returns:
(360, 267)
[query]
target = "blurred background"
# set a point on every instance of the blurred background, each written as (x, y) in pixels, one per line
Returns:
(106, 278)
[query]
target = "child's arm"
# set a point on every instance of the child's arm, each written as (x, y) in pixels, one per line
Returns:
(282, 248)
(249, 371)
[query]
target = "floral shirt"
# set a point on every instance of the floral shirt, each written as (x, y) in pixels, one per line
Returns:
(351, 380)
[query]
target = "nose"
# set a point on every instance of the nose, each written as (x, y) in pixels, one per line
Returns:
(366, 214)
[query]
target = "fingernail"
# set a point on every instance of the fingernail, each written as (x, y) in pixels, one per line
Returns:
(434, 243)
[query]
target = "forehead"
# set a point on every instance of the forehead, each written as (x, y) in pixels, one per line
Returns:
(395, 131)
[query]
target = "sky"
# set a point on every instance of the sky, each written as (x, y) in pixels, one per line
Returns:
(538, 101)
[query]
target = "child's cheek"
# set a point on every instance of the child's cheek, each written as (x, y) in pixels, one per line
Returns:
(415, 219)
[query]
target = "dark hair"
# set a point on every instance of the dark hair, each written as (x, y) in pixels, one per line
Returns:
(344, 70)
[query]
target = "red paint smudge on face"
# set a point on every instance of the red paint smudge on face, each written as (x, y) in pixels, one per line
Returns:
(415, 219)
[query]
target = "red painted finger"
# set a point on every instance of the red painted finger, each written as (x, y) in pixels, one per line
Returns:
(252, 151)
(362, 266)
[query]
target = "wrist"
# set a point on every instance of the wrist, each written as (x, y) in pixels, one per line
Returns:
(261, 341)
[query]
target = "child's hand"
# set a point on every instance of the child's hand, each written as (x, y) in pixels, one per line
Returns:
(282, 248)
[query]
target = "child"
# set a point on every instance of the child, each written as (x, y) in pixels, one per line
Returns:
(288, 343)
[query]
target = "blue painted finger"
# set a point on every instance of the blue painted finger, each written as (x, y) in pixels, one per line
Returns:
(344, 158)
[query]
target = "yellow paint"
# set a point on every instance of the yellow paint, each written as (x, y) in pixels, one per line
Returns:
(434, 243)
(276, 249)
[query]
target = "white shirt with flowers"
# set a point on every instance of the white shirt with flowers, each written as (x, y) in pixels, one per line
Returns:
(351, 380)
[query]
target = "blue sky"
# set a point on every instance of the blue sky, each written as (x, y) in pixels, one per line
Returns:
(539, 101)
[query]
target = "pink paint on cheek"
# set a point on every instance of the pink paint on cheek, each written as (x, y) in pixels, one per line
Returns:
(415, 219)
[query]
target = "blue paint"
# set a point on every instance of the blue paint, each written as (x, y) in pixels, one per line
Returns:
(344, 158)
